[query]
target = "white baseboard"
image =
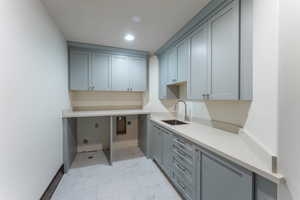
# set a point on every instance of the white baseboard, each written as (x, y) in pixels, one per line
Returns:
(125, 144)
(89, 147)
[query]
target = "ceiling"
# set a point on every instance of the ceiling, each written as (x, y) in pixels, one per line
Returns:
(105, 22)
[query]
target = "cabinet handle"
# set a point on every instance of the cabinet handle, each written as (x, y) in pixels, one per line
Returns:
(174, 80)
(180, 167)
(207, 96)
(181, 185)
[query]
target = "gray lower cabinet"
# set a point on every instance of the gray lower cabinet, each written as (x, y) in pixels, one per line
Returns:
(79, 70)
(198, 174)
(167, 137)
(157, 142)
(219, 179)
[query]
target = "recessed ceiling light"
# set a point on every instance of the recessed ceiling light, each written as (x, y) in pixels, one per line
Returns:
(136, 19)
(129, 37)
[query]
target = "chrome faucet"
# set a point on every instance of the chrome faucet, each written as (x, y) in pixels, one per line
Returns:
(186, 118)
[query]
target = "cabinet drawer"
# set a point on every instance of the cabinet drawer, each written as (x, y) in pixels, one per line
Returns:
(185, 189)
(182, 171)
(187, 156)
(184, 145)
(185, 162)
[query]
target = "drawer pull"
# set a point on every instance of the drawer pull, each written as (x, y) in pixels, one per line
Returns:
(181, 185)
(180, 167)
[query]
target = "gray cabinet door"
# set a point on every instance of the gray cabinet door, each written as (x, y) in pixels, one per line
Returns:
(79, 70)
(183, 59)
(138, 74)
(167, 151)
(157, 142)
(224, 37)
(100, 72)
(199, 69)
(172, 65)
(223, 180)
(119, 73)
(163, 76)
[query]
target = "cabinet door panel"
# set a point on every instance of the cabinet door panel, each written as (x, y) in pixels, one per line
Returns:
(167, 152)
(163, 76)
(138, 74)
(199, 73)
(172, 66)
(100, 72)
(79, 70)
(224, 33)
(221, 180)
(183, 60)
(120, 79)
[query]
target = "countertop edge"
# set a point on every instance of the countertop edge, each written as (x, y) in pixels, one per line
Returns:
(276, 178)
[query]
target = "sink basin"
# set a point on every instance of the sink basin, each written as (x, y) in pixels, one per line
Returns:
(174, 122)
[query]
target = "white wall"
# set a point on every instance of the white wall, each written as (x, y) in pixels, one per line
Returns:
(262, 120)
(289, 96)
(33, 85)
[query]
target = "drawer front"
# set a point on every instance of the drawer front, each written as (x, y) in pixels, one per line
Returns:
(184, 161)
(187, 156)
(182, 171)
(185, 189)
(184, 145)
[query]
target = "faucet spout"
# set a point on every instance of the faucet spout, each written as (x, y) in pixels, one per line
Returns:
(186, 118)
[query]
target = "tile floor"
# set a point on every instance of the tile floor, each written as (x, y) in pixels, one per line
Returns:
(132, 177)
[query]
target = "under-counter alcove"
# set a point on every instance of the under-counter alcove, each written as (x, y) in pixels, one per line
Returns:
(94, 140)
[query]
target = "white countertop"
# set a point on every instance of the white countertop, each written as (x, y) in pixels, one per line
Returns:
(101, 113)
(231, 146)
(228, 145)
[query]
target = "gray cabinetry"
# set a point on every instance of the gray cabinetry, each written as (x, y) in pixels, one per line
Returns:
(100, 72)
(224, 58)
(167, 151)
(137, 70)
(119, 73)
(157, 141)
(223, 180)
(104, 69)
(199, 69)
(172, 65)
(79, 70)
(183, 60)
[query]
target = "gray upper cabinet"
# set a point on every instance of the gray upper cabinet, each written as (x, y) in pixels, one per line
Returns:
(222, 180)
(183, 60)
(199, 69)
(79, 70)
(163, 76)
(100, 72)
(119, 71)
(99, 68)
(224, 58)
(138, 74)
(172, 66)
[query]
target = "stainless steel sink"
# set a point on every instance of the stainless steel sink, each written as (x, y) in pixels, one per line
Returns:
(174, 122)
